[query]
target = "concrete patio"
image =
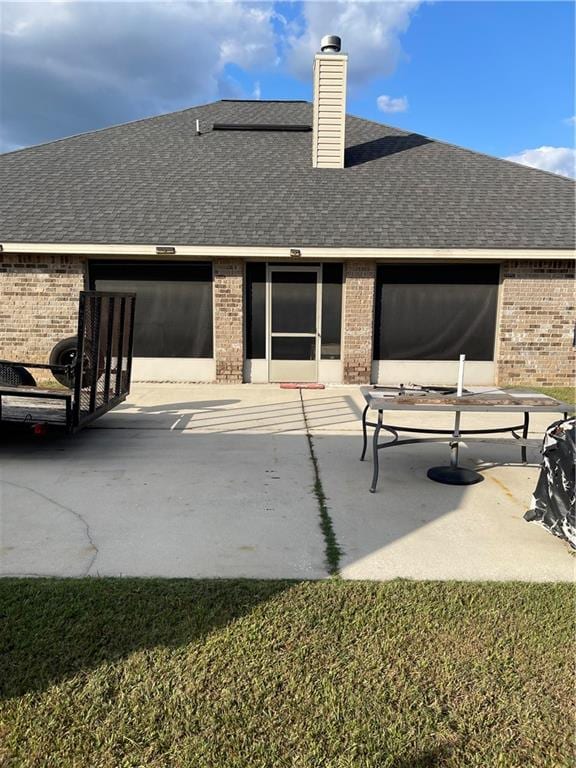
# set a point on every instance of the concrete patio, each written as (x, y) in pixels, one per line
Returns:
(217, 481)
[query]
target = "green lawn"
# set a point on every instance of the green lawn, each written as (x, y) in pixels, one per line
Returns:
(253, 674)
(565, 394)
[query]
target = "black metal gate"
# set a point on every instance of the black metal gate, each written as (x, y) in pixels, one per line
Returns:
(104, 361)
(95, 378)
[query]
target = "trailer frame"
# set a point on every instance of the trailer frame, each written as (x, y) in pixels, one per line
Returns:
(100, 374)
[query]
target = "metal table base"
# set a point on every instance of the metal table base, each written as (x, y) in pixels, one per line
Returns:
(453, 437)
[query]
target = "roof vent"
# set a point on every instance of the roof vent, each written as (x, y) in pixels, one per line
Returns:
(260, 127)
(330, 44)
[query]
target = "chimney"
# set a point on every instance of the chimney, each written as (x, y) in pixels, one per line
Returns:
(330, 68)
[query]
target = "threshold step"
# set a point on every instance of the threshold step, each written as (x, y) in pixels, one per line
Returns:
(301, 385)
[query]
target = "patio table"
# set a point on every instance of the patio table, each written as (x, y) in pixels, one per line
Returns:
(437, 399)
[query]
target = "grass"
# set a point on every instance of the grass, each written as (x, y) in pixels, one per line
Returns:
(333, 551)
(253, 674)
(565, 394)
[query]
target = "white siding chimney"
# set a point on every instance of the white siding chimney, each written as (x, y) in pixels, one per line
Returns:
(329, 123)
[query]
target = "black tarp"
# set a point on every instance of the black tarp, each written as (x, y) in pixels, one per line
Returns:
(553, 503)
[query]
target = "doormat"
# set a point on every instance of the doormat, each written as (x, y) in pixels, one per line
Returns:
(295, 385)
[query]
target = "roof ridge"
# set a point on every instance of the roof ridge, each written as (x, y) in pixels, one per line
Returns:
(465, 149)
(266, 101)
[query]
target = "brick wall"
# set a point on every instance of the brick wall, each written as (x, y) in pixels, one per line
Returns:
(359, 285)
(38, 304)
(229, 320)
(536, 326)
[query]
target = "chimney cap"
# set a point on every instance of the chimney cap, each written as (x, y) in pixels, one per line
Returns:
(330, 44)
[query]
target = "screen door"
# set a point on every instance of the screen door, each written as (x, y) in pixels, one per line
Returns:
(293, 323)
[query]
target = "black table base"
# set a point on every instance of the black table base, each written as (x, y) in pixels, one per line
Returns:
(453, 474)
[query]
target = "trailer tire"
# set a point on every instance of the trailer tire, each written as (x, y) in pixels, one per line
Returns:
(16, 376)
(64, 353)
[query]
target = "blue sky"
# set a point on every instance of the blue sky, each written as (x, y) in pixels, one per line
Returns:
(497, 77)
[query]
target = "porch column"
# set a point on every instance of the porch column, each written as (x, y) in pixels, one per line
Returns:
(229, 320)
(359, 288)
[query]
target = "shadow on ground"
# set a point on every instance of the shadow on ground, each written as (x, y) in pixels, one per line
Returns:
(52, 629)
(213, 488)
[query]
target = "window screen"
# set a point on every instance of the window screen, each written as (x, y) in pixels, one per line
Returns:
(173, 305)
(293, 348)
(293, 297)
(436, 311)
(255, 310)
(331, 311)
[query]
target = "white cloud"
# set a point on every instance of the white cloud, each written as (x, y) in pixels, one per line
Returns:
(561, 160)
(68, 67)
(257, 91)
(389, 104)
(370, 33)
(571, 120)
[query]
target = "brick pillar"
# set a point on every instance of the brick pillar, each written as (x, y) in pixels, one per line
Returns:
(38, 304)
(535, 334)
(359, 286)
(229, 320)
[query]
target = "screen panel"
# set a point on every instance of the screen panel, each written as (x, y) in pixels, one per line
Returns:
(173, 305)
(255, 310)
(293, 297)
(331, 311)
(293, 348)
(436, 311)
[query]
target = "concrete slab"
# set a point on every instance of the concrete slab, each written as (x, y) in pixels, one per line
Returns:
(216, 481)
(208, 409)
(415, 528)
(185, 482)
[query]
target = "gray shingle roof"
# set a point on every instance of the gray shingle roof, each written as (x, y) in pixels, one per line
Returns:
(155, 181)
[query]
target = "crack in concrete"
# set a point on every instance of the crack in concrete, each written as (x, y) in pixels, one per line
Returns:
(332, 550)
(73, 512)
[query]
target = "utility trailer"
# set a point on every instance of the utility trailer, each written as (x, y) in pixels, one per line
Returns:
(94, 369)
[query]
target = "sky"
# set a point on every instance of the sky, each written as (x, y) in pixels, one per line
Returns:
(497, 77)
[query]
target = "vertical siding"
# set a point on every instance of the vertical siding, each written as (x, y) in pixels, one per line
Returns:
(329, 111)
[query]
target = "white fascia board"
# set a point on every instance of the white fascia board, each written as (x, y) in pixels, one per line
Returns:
(274, 252)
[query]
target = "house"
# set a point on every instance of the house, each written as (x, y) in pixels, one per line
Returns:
(288, 241)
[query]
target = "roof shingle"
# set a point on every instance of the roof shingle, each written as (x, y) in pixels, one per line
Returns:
(155, 181)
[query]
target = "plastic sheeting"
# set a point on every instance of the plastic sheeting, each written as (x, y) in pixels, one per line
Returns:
(553, 503)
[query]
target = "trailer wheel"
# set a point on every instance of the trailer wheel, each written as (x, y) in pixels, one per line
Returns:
(64, 353)
(16, 376)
